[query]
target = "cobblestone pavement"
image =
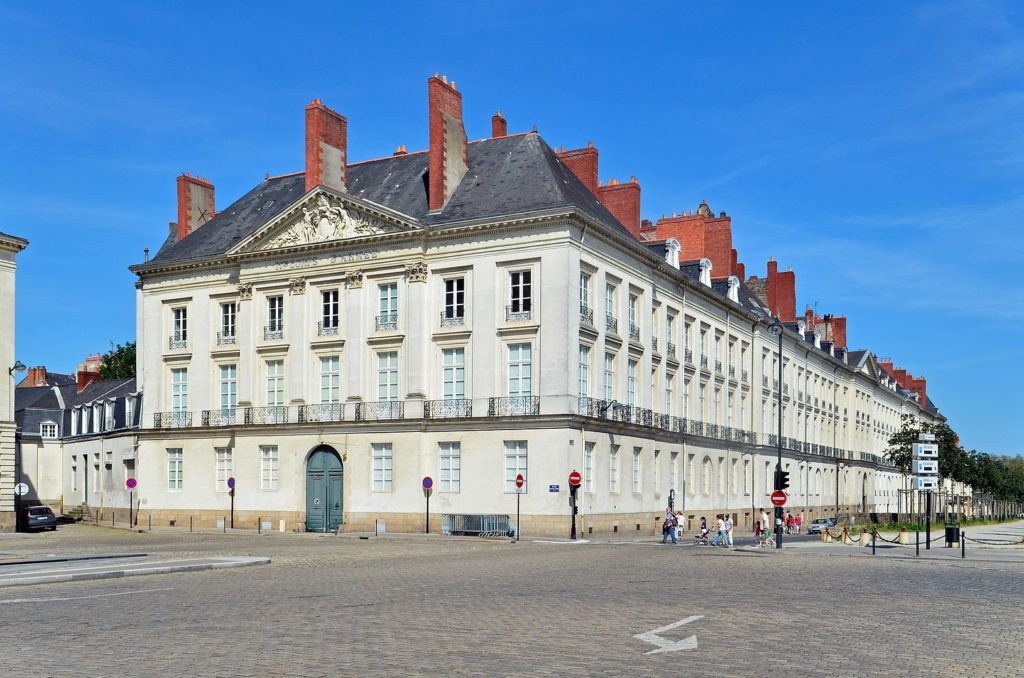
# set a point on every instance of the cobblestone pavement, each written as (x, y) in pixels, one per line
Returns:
(330, 606)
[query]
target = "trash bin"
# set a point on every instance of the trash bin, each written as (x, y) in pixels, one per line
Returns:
(952, 534)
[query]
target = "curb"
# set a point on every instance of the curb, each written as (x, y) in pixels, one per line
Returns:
(157, 568)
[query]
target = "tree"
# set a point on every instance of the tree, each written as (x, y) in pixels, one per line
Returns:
(119, 361)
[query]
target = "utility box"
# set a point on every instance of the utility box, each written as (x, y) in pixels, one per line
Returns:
(926, 467)
(922, 483)
(925, 451)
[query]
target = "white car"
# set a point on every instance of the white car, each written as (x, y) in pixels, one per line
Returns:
(819, 524)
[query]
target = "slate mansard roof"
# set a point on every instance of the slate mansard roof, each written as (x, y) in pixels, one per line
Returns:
(507, 176)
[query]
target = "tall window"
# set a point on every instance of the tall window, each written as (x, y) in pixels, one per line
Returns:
(588, 467)
(222, 461)
(632, 311)
(520, 292)
(454, 373)
(584, 291)
(275, 314)
(609, 377)
(175, 464)
(268, 467)
(636, 470)
(228, 320)
(670, 329)
(631, 383)
(669, 383)
(520, 370)
(228, 389)
(450, 467)
(330, 379)
(515, 464)
(609, 300)
(75, 419)
(388, 293)
(329, 309)
(454, 298)
(387, 376)
(129, 411)
(584, 381)
(275, 382)
(717, 404)
(700, 401)
(180, 317)
(686, 398)
(382, 467)
(613, 469)
(179, 389)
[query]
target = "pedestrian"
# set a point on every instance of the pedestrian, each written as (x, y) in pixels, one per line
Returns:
(764, 520)
(728, 528)
(799, 522)
(790, 523)
(668, 528)
(719, 537)
(704, 529)
(679, 524)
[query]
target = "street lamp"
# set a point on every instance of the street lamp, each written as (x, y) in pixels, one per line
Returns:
(775, 329)
(18, 366)
(839, 467)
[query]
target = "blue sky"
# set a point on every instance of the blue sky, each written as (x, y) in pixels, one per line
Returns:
(876, 148)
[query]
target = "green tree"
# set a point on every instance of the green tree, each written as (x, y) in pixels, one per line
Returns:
(119, 361)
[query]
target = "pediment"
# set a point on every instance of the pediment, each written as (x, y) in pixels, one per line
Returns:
(322, 217)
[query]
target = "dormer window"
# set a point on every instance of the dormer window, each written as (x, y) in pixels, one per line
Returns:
(48, 430)
(705, 272)
(672, 249)
(734, 289)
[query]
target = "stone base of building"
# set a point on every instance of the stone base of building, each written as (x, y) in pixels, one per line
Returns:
(7, 521)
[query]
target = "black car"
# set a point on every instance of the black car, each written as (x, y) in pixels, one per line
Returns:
(40, 518)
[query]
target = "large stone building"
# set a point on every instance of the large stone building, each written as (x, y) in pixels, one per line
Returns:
(9, 248)
(472, 312)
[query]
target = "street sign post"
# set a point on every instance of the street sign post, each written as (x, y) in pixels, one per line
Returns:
(926, 478)
(131, 484)
(428, 489)
(231, 491)
(520, 481)
(574, 485)
(778, 498)
(20, 490)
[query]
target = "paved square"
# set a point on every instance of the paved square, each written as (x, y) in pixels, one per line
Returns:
(329, 606)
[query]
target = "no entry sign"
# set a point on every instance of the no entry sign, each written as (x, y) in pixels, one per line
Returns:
(575, 479)
(520, 481)
(778, 498)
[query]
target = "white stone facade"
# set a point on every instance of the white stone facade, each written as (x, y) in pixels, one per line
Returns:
(9, 248)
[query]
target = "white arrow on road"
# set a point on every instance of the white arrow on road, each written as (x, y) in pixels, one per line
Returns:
(666, 645)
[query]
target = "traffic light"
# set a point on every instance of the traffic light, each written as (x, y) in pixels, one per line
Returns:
(575, 510)
(781, 479)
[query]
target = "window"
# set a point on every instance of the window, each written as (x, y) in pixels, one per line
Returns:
(76, 416)
(382, 467)
(180, 325)
(609, 377)
(520, 292)
(97, 418)
(631, 383)
(330, 379)
(329, 309)
(700, 401)
(179, 389)
(454, 298)
(613, 469)
(268, 467)
(108, 416)
(669, 383)
(634, 330)
(520, 370)
(609, 300)
(275, 314)
(275, 382)
(717, 405)
(228, 317)
(222, 460)
(588, 467)
(584, 291)
(175, 465)
(228, 390)
(584, 381)
(129, 411)
(515, 464)
(686, 398)
(388, 293)
(454, 374)
(636, 470)
(387, 376)
(48, 429)
(450, 467)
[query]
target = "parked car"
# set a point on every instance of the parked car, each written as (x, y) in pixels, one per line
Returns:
(819, 524)
(40, 518)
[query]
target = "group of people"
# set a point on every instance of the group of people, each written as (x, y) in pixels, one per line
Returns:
(673, 527)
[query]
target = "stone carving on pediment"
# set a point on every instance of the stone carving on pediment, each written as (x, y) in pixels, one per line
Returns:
(245, 291)
(297, 286)
(417, 271)
(354, 279)
(326, 218)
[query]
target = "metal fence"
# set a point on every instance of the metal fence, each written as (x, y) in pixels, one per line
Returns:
(476, 523)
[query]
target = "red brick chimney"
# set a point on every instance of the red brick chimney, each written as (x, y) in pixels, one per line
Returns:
(623, 201)
(326, 147)
(195, 204)
(499, 126)
(773, 285)
(701, 234)
(887, 365)
(919, 386)
(839, 330)
(449, 153)
(583, 163)
(786, 290)
(36, 377)
(88, 371)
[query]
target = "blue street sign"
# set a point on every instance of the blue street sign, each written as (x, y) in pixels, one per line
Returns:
(231, 483)
(552, 488)
(428, 482)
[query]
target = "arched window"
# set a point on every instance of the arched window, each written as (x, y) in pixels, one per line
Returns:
(707, 472)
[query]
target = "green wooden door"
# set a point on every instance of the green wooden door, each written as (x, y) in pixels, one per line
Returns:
(324, 491)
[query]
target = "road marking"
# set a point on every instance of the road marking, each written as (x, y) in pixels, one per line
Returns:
(666, 645)
(98, 595)
(578, 541)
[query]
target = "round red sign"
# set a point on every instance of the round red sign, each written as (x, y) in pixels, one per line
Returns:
(575, 478)
(778, 498)
(520, 480)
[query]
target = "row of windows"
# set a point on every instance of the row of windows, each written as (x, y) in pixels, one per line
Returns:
(96, 418)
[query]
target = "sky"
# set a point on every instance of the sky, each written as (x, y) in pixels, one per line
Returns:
(875, 148)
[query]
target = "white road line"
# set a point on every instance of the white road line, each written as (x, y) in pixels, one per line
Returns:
(98, 595)
(666, 645)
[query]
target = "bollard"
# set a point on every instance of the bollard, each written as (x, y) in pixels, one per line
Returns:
(112, 514)
(917, 540)
(904, 537)
(865, 538)
(224, 522)
(190, 523)
(963, 545)
(150, 522)
(874, 535)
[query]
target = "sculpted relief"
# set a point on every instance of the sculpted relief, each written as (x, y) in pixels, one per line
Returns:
(326, 218)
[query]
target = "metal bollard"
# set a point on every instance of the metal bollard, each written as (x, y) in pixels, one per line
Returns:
(150, 522)
(190, 523)
(963, 545)
(112, 514)
(259, 524)
(917, 541)
(874, 534)
(224, 522)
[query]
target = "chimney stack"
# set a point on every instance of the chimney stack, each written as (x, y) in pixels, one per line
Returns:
(623, 201)
(195, 204)
(839, 330)
(88, 371)
(499, 126)
(36, 377)
(786, 287)
(449, 152)
(326, 147)
(583, 163)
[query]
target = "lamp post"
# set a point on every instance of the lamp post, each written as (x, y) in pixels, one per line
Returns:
(839, 467)
(775, 328)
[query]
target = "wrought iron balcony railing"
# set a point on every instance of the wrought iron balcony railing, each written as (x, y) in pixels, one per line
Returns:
(178, 419)
(327, 329)
(226, 339)
(654, 344)
(586, 315)
(688, 356)
(704, 362)
(670, 349)
(764, 379)
(450, 319)
(387, 321)
(518, 312)
(744, 376)
(718, 366)
(274, 414)
(226, 416)
(518, 406)
(449, 408)
(177, 341)
(611, 323)
(634, 332)
(380, 410)
(732, 371)
(324, 412)
(273, 332)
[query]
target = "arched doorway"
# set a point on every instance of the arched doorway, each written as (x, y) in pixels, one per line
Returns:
(324, 490)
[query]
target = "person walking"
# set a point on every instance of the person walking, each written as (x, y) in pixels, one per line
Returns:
(764, 520)
(719, 537)
(679, 525)
(799, 522)
(668, 529)
(728, 529)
